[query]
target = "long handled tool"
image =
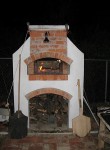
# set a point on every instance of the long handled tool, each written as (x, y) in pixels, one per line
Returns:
(81, 124)
(19, 86)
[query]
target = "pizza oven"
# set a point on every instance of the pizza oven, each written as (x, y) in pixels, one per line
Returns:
(50, 66)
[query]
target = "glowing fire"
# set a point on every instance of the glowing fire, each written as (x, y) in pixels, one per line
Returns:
(41, 69)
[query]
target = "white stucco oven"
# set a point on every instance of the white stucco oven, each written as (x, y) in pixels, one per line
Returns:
(50, 63)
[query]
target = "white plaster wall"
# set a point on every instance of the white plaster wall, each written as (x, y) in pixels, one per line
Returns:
(76, 72)
(70, 85)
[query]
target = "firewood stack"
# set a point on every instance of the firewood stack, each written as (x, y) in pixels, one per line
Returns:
(48, 108)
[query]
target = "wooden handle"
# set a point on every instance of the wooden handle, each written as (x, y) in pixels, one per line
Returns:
(79, 97)
(19, 84)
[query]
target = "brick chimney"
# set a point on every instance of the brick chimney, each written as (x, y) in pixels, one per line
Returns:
(48, 42)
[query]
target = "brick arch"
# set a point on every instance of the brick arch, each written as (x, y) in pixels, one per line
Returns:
(41, 55)
(48, 91)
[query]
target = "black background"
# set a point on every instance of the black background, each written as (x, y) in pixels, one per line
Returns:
(89, 24)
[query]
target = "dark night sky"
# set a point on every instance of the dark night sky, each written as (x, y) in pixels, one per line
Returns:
(88, 21)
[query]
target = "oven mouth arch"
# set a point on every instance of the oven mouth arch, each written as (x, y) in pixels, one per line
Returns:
(49, 54)
(56, 91)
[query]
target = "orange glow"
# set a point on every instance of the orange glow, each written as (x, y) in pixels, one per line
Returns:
(40, 68)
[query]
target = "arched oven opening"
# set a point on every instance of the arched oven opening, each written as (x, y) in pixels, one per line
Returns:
(48, 113)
